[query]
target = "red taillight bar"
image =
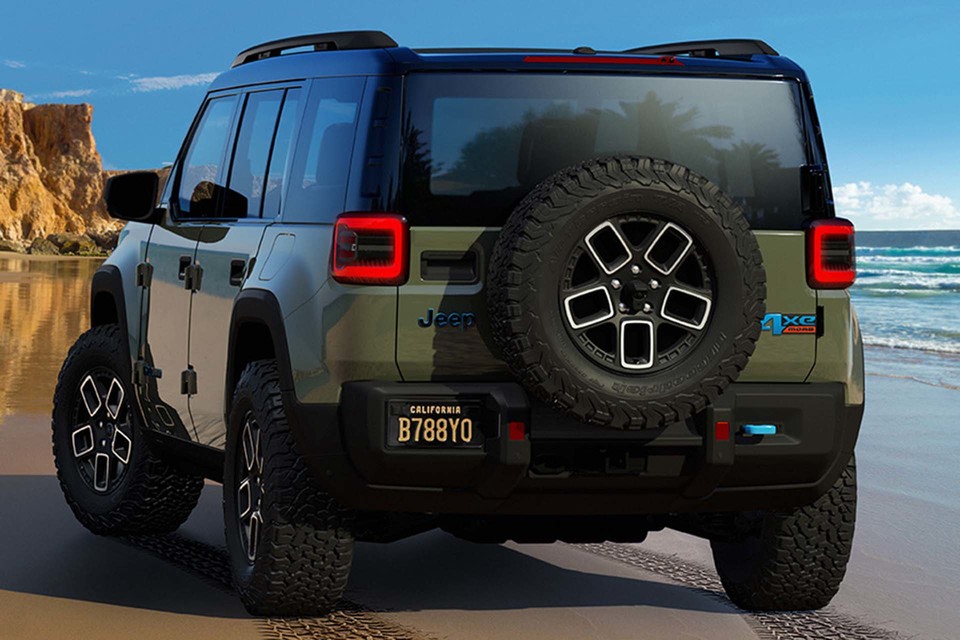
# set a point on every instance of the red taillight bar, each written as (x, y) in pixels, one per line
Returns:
(830, 254)
(370, 248)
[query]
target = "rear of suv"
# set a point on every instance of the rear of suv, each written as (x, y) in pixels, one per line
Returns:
(515, 294)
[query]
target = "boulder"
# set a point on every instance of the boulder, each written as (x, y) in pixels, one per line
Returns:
(74, 244)
(44, 247)
(10, 245)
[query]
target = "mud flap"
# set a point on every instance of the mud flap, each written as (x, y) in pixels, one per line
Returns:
(716, 455)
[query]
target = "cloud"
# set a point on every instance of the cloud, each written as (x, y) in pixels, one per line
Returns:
(165, 83)
(895, 206)
(14, 64)
(70, 93)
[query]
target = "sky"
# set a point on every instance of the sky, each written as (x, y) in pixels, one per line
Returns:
(885, 75)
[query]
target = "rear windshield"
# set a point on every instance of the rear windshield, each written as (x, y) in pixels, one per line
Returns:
(475, 144)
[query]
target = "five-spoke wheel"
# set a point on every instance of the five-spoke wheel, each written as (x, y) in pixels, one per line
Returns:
(250, 489)
(637, 293)
(102, 436)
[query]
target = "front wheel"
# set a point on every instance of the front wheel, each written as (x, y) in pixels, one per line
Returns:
(291, 544)
(112, 481)
(792, 560)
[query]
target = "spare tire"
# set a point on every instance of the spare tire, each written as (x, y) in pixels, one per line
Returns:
(628, 291)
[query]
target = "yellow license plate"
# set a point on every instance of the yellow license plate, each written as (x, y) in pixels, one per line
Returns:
(434, 424)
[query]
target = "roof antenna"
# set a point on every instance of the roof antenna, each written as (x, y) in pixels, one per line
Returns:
(585, 51)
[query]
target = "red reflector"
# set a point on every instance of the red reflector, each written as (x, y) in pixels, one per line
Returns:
(831, 262)
(721, 431)
(518, 430)
(370, 248)
(662, 60)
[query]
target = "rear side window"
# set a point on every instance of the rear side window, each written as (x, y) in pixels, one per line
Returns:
(321, 164)
(249, 166)
(281, 156)
(475, 144)
(200, 191)
(260, 156)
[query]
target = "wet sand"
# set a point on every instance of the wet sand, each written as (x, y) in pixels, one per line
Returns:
(55, 575)
(57, 580)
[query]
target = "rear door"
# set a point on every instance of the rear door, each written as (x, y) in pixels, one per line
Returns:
(476, 143)
(230, 240)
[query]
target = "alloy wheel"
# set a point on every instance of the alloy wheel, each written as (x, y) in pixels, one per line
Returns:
(102, 437)
(250, 490)
(637, 293)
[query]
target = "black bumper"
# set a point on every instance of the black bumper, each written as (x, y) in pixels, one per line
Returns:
(563, 467)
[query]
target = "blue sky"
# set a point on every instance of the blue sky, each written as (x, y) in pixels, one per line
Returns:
(885, 75)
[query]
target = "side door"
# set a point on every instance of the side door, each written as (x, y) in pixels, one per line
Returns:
(230, 240)
(163, 372)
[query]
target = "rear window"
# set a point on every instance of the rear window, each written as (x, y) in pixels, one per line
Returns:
(476, 144)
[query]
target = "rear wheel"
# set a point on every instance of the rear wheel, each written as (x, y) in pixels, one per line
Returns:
(792, 560)
(112, 481)
(291, 544)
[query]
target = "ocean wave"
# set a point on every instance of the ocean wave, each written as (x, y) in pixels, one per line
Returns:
(948, 250)
(947, 264)
(862, 293)
(875, 270)
(913, 344)
(908, 283)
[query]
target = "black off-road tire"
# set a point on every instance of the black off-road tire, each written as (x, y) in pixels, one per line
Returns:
(152, 496)
(527, 266)
(305, 543)
(793, 560)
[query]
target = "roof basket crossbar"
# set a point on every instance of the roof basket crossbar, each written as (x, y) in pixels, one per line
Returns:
(336, 41)
(709, 49)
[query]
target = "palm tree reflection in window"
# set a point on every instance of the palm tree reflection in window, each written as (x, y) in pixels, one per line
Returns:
(500, 164)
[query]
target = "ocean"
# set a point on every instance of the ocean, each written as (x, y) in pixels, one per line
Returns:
(907, 297)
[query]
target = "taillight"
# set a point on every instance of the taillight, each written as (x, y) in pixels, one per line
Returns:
(370, 248)
(830, 254)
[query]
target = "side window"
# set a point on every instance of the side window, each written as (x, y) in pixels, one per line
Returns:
(321, 166)
(245, 186)
(280, 157)
(199, 190)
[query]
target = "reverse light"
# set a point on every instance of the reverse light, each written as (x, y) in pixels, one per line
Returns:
(831, 262)
(370, 248)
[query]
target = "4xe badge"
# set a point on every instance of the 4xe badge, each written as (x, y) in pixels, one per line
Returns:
(781, 323)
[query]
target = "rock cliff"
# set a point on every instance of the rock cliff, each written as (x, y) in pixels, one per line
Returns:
(51, 178)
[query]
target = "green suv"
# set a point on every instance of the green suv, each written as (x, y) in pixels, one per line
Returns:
(515, 294)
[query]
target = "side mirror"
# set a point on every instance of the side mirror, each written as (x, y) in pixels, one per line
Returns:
(133, 196)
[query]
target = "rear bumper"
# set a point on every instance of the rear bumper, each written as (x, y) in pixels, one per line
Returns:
(563, 467)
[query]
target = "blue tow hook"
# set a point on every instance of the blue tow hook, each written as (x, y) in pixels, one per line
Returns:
(759, 429)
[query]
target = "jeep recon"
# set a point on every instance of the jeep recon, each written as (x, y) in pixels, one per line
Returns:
(515, 294)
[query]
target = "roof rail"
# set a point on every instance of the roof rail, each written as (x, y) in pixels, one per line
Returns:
(336, 41)
(709, 48)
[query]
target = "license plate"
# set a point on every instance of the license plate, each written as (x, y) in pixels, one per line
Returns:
(434, 424)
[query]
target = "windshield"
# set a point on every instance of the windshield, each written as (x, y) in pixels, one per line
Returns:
(475, 144)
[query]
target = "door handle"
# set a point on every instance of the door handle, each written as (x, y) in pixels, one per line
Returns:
(449, 266)
(238, 269)
(185, 262)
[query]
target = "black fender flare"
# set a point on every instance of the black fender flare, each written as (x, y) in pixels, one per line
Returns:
(258, 307)
(108, 283)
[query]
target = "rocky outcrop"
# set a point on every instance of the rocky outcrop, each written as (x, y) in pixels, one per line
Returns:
(51, 178)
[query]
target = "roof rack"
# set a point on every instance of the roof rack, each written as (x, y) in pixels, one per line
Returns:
(336, 41)
(709, 49)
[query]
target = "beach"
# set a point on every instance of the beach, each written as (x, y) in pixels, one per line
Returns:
(904, 577)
